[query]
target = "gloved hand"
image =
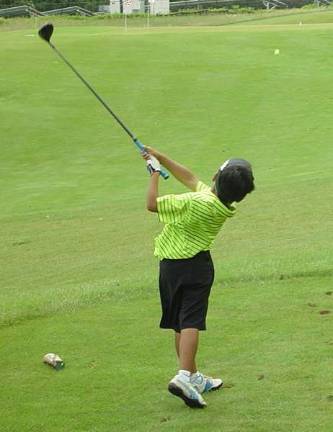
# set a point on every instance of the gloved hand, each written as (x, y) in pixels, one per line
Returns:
(153, 164)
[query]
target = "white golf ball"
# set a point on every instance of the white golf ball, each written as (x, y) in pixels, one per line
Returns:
(276, 52)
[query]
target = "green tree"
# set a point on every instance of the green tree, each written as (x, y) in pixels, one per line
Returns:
(44, 5)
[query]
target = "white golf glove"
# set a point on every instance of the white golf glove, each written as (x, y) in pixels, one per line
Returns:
(153, 165)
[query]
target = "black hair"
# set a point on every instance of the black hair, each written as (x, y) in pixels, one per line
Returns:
(234, 181)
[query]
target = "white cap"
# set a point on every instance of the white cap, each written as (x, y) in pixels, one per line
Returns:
(224, 165)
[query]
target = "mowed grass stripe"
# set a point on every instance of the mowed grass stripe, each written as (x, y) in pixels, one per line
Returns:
(314, 15)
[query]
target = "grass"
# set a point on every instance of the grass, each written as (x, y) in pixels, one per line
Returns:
(77, 272)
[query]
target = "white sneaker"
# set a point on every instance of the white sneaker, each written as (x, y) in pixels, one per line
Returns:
(205, 384)
(181, 386)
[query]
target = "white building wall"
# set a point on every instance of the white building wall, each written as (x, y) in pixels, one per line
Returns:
(156, 7)
(132, 6)
(114, 6)
(159, 7)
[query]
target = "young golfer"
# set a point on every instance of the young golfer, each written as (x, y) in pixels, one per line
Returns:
(192, 221)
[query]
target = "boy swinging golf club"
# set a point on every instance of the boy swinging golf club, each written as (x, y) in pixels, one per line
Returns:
(192, 221)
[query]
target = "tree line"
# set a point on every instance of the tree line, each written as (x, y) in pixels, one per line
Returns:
(44, 5)
(92, 5)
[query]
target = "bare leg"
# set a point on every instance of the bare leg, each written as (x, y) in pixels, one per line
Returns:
(177, 341)
(188, 346)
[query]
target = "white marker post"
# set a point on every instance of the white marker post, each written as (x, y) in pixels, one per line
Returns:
(150, 7)
(127, 8)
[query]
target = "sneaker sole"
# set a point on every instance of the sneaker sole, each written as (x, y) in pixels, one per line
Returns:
(177, 391)
(215, 388)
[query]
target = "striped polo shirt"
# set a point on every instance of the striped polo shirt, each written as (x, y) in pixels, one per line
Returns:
(192, 221)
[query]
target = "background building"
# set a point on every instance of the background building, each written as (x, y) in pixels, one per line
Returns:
(155, 7)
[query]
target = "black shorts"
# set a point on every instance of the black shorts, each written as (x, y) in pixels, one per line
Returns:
(184, 289)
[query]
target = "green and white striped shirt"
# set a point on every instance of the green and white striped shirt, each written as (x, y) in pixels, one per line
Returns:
(192, 221)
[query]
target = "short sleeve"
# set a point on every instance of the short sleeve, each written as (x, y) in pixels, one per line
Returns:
(202, 187)
(173, 208)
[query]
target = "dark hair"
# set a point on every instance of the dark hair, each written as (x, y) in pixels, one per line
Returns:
(234, 181)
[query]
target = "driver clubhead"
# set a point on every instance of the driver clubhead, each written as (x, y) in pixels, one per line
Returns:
(46, 31)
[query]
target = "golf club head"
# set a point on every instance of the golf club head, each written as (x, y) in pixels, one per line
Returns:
(46, 31)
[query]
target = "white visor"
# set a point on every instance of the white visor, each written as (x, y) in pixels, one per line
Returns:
(224, 165)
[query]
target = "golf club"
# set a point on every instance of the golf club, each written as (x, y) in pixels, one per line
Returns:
(45, 32)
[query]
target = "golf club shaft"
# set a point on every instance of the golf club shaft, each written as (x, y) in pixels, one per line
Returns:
(136, 141)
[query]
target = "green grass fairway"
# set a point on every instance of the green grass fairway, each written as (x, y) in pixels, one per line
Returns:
(78, 276)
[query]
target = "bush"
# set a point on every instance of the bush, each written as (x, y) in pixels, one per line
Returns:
(119, 15)
(78, 17)
(235, 10)
(2, 21)
(189, 11)
(310, 6)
